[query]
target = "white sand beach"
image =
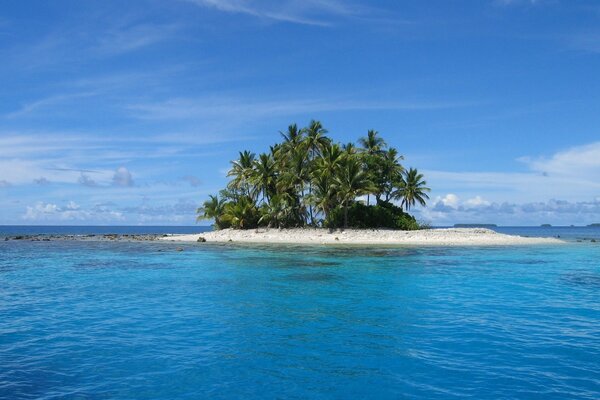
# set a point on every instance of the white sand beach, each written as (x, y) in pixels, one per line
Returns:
(427, 237)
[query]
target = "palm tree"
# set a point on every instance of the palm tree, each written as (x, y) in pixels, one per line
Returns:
(292, 139)
(241, 170)
(413, 189)
(276, 212)
(324, 194)
(372, 143)
(315, 139)
(314, 142)
(292, 181)
(389, 174)
(211, 209)
(350, 182)
(350, 148)
(263, 176)
(241, 213)
(307, 179)
(329, 161)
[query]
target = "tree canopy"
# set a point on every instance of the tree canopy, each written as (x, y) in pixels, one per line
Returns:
(309, 180)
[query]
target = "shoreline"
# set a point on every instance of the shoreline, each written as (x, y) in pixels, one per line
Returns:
(322, 236)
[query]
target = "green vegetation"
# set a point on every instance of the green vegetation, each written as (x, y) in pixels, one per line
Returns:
(308, 180)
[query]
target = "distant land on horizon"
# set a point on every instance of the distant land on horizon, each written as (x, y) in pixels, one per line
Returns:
(475, 225)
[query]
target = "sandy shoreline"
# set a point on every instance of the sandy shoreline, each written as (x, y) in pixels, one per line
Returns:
(429, 237)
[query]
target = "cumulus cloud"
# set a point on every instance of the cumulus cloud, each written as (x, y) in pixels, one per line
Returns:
(49, 212)
(41, 181)
(85, 180)
(180, 212)
(122, 177)
(192, 180)
(450, 200)
(477, 201)
(479, 210)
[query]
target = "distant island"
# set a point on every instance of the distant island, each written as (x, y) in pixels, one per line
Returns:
(546, 226)
(595, 225)
(475, 225)
(308, 180)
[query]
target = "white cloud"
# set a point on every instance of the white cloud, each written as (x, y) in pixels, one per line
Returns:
(71, 206)
(293, 11)
(180, 212)
(477, 201)
(516, 2)
(192, 180)
(518, 198)
(49, 212)
(580, 162)
(218, 107)
(124, 39)
(478, 210)
(26, 171)
(41, 181)
(122, 177)
(450, 200)
(28, 108)
(572, 174)
(85, 180)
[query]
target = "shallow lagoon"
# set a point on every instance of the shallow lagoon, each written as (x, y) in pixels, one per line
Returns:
(141, 320)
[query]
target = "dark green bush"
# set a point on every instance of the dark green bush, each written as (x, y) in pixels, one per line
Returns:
(382, 215)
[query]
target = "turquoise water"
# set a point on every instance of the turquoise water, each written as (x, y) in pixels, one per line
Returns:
(98, 320)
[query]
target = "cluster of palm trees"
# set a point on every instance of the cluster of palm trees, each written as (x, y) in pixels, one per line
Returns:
(307, 179)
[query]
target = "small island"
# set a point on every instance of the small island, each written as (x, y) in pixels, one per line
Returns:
(308, 189)
(308, 180)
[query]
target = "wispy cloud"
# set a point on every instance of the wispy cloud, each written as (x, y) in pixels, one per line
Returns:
(570, 174)
(585, 42)
(517, 2)
(580, 162)
(243, 108)
(306, 12)
(66, 46)
(48, 102)
(92, 159)
(129, 38)
(245, 7)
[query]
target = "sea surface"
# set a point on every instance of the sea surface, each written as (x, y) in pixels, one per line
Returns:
(125, 320)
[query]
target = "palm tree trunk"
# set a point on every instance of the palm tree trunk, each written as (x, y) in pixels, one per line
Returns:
(310, 208)
(345, 215)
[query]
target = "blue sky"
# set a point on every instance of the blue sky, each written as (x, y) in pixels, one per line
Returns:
(129, 112)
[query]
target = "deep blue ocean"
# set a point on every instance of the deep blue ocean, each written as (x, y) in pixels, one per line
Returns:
(125, 320)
